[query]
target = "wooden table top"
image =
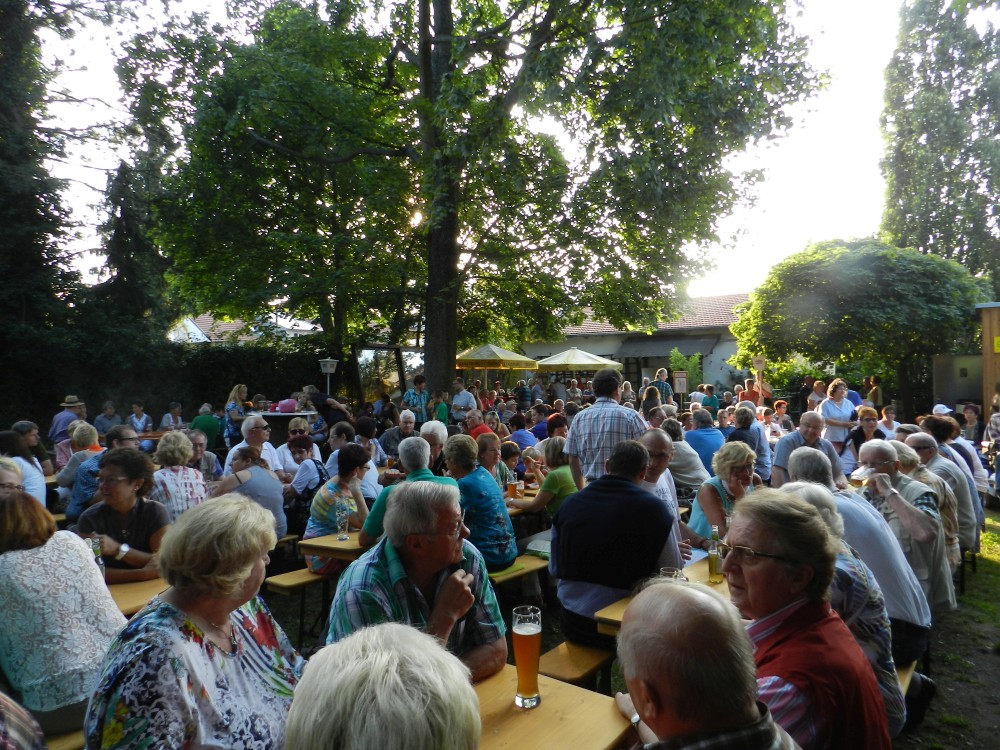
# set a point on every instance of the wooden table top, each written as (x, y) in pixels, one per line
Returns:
(568, 716)
(609, 619)
(329, 546)
(131, 597)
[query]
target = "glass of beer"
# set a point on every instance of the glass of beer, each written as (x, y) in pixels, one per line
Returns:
(520, 490)
(859, 477)
(527, 637)
(512, 489)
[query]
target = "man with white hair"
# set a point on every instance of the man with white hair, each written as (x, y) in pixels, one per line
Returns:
(425, 573)
(392, 437)
(407, 683)
(868, 532)
(415, 457)
(256, 432)
(926, 448)
(910, 508)
(690, 673)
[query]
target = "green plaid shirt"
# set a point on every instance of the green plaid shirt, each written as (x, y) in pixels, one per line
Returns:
(375, 589)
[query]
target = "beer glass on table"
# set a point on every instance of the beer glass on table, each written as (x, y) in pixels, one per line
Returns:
(343, 516)
(527, 638)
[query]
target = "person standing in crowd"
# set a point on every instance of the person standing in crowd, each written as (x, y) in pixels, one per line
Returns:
(661, 385)
(597, 430)
(73, 409)
(415, 399)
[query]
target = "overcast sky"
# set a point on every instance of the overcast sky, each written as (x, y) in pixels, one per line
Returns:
(821, 182)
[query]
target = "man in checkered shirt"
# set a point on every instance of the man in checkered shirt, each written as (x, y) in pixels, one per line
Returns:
(598, 429)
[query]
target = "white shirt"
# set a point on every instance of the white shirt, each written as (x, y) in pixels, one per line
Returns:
(287, 463)
(268, 452)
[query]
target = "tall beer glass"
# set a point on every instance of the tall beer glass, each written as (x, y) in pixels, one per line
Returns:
(527, 637)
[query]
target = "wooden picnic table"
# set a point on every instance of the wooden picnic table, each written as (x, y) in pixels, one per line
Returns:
(568, 716)
(609, 619)
(331, 547)
(131, 597)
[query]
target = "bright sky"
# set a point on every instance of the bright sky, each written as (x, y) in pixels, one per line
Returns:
(821, 182)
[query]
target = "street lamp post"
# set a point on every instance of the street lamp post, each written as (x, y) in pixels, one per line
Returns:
(328, 366)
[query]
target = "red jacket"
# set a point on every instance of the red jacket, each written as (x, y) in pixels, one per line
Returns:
(814, 651)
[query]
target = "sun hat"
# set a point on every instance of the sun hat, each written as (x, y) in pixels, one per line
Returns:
(72, 401)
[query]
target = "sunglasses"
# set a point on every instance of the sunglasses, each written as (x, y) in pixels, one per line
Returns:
(296, 432)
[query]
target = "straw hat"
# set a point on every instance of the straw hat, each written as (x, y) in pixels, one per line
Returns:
(72, 401)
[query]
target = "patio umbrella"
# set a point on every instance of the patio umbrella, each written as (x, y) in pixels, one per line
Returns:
(576, 359)
(492, 357)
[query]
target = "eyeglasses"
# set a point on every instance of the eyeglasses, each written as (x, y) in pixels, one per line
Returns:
(453, 534)
(296, 432)
(746, 556)
(9, 487)
(111, 480)
(873, 464)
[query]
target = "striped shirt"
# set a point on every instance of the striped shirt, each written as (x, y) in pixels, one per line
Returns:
(375, 589)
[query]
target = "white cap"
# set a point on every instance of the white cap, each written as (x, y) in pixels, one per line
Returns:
(942, 409)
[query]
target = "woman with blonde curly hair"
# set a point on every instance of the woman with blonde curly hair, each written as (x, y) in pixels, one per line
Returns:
(204, 664)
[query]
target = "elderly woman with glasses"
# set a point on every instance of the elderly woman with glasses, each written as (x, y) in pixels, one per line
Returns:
(204, 664)
(734, 479)
(129, 526)
(297, 427)
(57, 618)
(779, 561)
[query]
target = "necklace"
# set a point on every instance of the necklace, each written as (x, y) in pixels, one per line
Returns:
(232, 634)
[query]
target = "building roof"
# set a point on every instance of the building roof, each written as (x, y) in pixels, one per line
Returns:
(699, 313)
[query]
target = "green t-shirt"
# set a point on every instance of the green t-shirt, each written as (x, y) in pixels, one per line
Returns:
(209, 425)
(373, 523)
(441, 412)
(560, 483)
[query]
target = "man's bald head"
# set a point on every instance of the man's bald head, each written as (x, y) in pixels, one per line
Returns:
(661, 451)
(682, 642)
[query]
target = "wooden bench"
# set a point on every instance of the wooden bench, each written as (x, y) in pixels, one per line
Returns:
(71, 741)
(522, 566)
(297, 580)
(578, 665)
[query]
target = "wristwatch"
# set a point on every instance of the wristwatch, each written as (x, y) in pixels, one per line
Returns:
(635, 721)
(122, 551)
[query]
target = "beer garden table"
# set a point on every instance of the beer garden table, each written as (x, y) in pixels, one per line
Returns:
(609, 619)
(568, 716)
(329, 546)
(131, 597)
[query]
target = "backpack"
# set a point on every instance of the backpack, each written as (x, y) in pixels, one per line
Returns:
(298, 507)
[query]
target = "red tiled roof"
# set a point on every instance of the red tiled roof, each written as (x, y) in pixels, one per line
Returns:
(220, 330)
(700, 312)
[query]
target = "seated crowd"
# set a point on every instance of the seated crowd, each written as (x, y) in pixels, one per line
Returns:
(840, 539)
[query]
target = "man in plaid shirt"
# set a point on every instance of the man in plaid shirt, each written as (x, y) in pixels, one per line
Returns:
(425, 573)
(598, 429)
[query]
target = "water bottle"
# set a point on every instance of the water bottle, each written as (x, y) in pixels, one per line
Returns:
(95, 545)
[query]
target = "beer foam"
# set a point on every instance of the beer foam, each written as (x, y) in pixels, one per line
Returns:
(528, 629)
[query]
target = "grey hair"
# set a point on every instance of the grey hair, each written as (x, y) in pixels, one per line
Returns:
(249, 423)
(820, 497)
(799, 532)
(684, 634)
(415, 695)
(908, 429)
(414, 453)
(205, 408)
(744, 416)
(702, 418)
(407, 415)
(807, 464)
(882, 447)
(908, 458)
(462, 451)
(435, 428)
(413, 508)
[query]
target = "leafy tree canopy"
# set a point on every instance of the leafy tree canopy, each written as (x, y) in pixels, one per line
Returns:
(336, 134)
(941, 123)
(862, 303)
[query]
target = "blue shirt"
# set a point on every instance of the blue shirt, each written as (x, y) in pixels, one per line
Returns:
(490, 529)
(706, 441)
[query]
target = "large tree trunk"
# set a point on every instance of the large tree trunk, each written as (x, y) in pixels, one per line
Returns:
(442, 188)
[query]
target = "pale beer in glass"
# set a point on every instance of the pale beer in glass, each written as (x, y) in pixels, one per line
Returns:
(527, 638)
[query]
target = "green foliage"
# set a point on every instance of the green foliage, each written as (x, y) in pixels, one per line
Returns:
(311, 149)
(862, 304)
(691, 365)
(942, 109)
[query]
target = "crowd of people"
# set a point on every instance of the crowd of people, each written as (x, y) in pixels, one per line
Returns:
(840, 540)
